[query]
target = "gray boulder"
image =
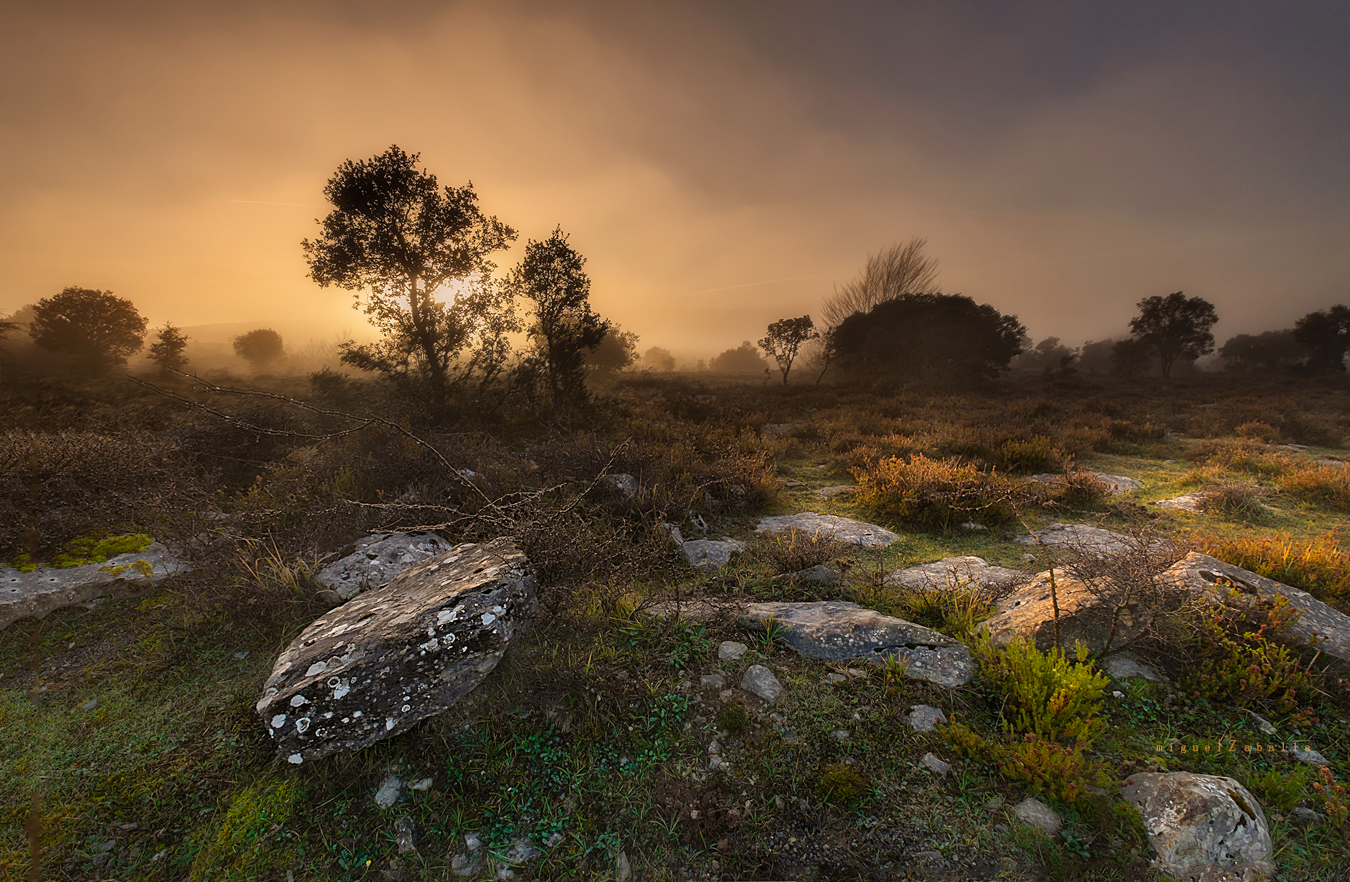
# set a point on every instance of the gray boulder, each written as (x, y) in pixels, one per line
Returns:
(1191, 502)
(1123, 666)
(47, 589)
(711, 554)
(1114, 483)
(847, 530)
(377, 559)
(394, 656)
(952, 571)
(1317, 621)
(1034, 813)
(1028, 613)
(835, 630)
(1081, 538)
(1199, 824)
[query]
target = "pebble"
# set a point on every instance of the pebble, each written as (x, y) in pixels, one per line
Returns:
(89, 705)
(730, 649)
(712, 681)
(934, 765)
(389, 791)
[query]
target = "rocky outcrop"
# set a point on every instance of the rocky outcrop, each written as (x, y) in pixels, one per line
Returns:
(836, 630)
(47, 589)
(1191, 502)
(1317, 621)
(1198, 824)
(952, 571)
(847, 530)
(711, 554)
(1085, 614)
(377, 559)
(396, 655)
(1114, 483)
(1080, 538)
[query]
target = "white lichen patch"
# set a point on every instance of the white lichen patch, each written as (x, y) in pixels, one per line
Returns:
(302, 725)
(488, 619)
(316, 668)
(389, 723)
(430, 646)
(341, 689)
(278, 721)
(297, 700)
(295, 758)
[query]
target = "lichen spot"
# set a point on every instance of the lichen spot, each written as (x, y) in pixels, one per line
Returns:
(406, 708)
(356, 714)
(328, 715)
(295, 759)
(302, 725)
(316, 668)
(297, 700)
(430, 646)
(444, 616)
(389, 723)
(488, 619)
(278, 721)
(498, 610)
(341, 689)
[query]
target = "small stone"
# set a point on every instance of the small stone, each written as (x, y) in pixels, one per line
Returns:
(465, 865)
(1028, 558)
(712, 681)
(972, 527)
(522, 851)
(405, 834)
(923, 718)
(779, 803)
(1309, 756)
(473, 841)
(726, 694)
(505, 874)
(1264, 726)
(241, 655)
(760, 681)
(714, 763)
(840, 734)
(1034, 813)
(1117, 694)
(930, 858)
(554, 840)
(1121, 666)
(389, 792)
(89, 705)
(1305, 817)
(834, 678)
(714, 748)
(623, 871)
(994, 803)
(934, 765)
(730, 649)
(424, 784)
(107, 845)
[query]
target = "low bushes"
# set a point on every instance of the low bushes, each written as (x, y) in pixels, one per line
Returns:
(1317, 566)
(935, 493)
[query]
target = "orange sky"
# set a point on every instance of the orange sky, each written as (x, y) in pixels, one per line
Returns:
(721, 165)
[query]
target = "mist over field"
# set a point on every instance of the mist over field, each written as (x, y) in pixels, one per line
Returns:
(720, 166)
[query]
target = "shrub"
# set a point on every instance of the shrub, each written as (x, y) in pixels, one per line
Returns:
(1046, 694)
(954, 609)
(841, 784)
(1321, 485)
(1238, 500)
(1333, 797)
(1258, 431)
(1317, 566)
(797, 550)
(1234, 658)
(1056, 771)
(1279, 790)
(934, 493)
(1037, 454)
(734, 719)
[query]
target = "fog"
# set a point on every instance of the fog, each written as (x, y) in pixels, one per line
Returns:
(720, 165)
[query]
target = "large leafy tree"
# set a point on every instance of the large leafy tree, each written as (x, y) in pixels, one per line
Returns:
(1325, 334)
(943, 338)
(97, 329)
(1268, 351)
(416, 254)
(260, 348)
(1175, 326)
(552, 276)
(616, 351)
(784, 340)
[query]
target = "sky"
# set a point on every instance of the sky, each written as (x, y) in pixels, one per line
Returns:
(720, 164)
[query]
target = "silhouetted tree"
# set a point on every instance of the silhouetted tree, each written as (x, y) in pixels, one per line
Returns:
(742, 359)
(97, 329)
(616, 351)
(419, 256)
(1130, 357)
(1267, 351)
(658, 359)
(1175, 327)
(1325, 335)
(168, 349)
(259, 348)
(551, 275)
(785, 338)
(1047, 356)
(942, 337)
(900, 269)
(1095, 356)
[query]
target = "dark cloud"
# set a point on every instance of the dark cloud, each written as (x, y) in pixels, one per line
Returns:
(1064, 159)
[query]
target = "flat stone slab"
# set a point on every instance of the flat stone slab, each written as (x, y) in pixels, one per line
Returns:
(953, 571)
(835, 490)
(1123, 666)
(1192, 502)
(393, 656)
(847, 530)
(925, 718)
(1085, 614)
(377, 559)
(47, 589)
(711, 554)
(1114, 483)
(1316, 622)
(834, 630)
(1081, 538)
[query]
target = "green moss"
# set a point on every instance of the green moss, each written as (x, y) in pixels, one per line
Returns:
(841, 784)
(94, 548)
(242, 847)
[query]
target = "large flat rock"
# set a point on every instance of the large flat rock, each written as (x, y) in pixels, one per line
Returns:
(837, 630)
(47, 589)
(1114, 483)
(377, 559)
(395, 655)
(1085, 614)
(1201, 824)
(847, 530)
(1317, 620)
(953, 571)
(1082, 538)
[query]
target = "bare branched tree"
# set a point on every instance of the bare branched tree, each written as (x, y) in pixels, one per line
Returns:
(900, 269)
